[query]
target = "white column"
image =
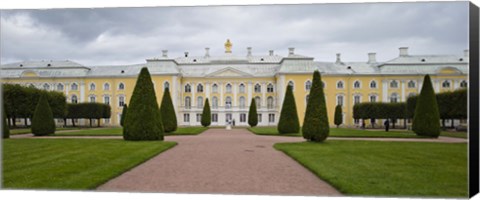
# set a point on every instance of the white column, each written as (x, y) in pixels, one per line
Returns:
(193, 97)
(82, 92)
(249, 92)
(235, 100)
(403, 91)
(221, 100)
(264, 94)
(385, 91)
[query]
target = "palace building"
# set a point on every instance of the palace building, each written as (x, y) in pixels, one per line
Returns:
(230, 81)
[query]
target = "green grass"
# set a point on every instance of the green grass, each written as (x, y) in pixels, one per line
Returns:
(386, 168)
(28, 130)
(339, 132)
(118, 132)
(454, 134)
(71, 163)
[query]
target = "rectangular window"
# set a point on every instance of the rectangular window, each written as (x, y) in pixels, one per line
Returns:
(107, 121)
(356, 121)
(243, 117)
(271, 118)
(199, 117)
(259, 117)
(215, 117)
(340, 100)
(373, 98)
(228, 117)
(357, 99)
(186, 117)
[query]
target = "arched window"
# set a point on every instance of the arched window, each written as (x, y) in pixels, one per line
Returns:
(446, 84)
(373, 84)
(258, 88)
(242, 102)
(308, 85)
(270, 104)
(340, 84)
(106, 100)
(92, 86)
(92, 99)
(258, 102)
(356, 99)
(270, 88)
(60, 87)
(199, 102)
(121, 101)
(166, 85)
(199, 88)
(214, 88)
(121, 86)
(229, 88)
(463, 84)
(411, 84)
(356, 84)
(214, 102)
(106, 86)
(394, 98)
(188, 102)
(188, 88)
(340, 100)
(394, 84)
(74, 99)
(373, 98)
(241, 88)
(228, 102)
(46, 86)
(74, 86)
(290, 83)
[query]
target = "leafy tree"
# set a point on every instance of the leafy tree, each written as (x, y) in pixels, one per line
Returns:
(252, 114)
(107, 112)
(426, 121)
(168, 112)
(338, 115)
(124, 112)
(206, 114)
(315, 125)
(5, 128)
(288, 122)
(42, 122)
(143, 120)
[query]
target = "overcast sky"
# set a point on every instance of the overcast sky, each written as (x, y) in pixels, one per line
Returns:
(130, 35)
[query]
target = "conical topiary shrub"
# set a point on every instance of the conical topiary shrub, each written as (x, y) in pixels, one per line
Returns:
(169, 117)
(143, 120)
(5, 128)
(338, 115)
(288, 122)
(315, 124)
(124, 113)
(42, 121)
(426, 119)
(206, 116)
(252, 114)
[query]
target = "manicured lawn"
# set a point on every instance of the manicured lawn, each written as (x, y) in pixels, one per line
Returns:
(454, 134)
(386, 168)
(118, 132)
(340, 132)
(71, 163)
(28, 130)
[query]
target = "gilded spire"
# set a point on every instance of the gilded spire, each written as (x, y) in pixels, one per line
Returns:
(228, 46)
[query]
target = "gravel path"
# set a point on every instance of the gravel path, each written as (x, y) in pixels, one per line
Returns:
(225, 162)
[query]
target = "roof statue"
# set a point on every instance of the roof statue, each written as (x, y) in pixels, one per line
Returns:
(228, 46)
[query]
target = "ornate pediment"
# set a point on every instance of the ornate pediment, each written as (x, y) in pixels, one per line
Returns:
(229, 72)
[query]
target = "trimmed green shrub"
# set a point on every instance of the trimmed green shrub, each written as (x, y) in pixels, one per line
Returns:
(206, 114)
(5, 128)
(338, 116)
(124, 112)
(288, 122)
(315, 124)
(42, 122)
(143, 120)
(426, 121)
(168, 112)
(252, 114)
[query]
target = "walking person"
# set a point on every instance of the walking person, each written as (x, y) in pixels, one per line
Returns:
(387, 125)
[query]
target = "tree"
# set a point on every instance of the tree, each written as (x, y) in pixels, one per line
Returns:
(206, 115)
(252, 114)
(42, 122)
(168, 112)
(426, 120)
(143, 120)
(5, 128)
(107, 112)
(288, 122)
(124, 112)
(338, 115)
(315, 124)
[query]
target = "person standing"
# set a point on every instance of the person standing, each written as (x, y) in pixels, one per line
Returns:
(387, 125)
(233, 122)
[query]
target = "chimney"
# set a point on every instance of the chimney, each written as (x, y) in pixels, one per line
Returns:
(270, 52)
(372, 58)
(165, 53)
(466, 53)
(207, 53)
(186, 54)
(249, 51)
(403, 51)
(291, 51)
(338, 61)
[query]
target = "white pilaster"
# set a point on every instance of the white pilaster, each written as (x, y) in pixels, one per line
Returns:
(67, 88)
(249, 92)
(403, 91)
(82, 92)
(234, 100)
(456, 84)
(193, 97)
(280, 91)
(207, 91)
(420, 85)
(173, 92)
(264, 94)
(221, 100)
(437, 86)
(385, 91)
